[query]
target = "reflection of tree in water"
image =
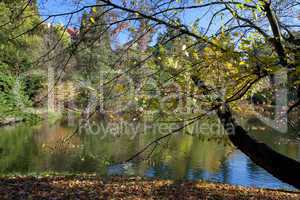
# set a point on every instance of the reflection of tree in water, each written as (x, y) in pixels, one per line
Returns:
(182, 153)
(18, 151)
(180, 157)
(187, 156)
(282, 143)
(252, 168)
(215, 167)
(44, 151)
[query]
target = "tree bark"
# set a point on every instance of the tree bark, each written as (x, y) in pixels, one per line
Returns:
(280, 166)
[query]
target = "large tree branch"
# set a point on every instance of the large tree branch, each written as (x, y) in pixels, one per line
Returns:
(277, 39)
(280, 166)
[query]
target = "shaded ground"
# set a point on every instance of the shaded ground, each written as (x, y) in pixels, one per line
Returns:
(92, 187)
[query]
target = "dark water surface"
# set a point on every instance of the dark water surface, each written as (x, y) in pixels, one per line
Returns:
(37, 149)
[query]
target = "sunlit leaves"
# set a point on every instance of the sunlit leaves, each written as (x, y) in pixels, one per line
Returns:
(94, 10)
(92, 20)
(198, 1)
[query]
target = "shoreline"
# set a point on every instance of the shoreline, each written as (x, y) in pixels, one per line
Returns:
(96, 187)
(10, 122)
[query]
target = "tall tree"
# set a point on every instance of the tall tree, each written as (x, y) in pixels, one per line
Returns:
(18, 51)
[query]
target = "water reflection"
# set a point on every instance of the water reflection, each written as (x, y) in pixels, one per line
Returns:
(39, 149)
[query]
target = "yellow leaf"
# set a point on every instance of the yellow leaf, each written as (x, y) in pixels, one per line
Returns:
(195, 55)
(120, 88)
(228, 65)
(242, 63)
(92, 20)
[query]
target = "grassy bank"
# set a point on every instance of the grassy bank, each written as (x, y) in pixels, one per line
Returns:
(92, 187)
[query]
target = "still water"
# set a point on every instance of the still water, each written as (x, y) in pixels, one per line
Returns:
(38, 149)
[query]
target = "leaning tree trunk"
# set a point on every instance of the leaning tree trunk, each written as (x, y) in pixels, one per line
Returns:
(280, 166)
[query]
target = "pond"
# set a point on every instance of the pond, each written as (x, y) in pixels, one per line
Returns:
(38, 149)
